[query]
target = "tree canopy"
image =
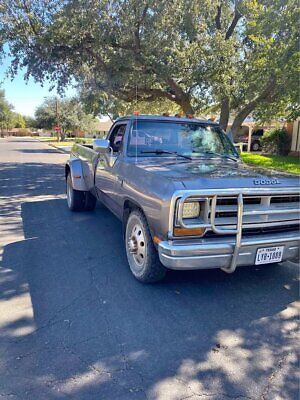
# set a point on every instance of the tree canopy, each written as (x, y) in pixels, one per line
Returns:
(5, 112)
(237, 57)
(67, 113)
(8, 118)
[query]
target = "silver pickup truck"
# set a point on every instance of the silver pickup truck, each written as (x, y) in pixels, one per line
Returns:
(185, 198)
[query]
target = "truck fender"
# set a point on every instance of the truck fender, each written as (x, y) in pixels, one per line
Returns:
(74, 167)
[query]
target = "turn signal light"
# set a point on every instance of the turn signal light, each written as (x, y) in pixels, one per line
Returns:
(136, 113)
(156, 240)
(189, 231)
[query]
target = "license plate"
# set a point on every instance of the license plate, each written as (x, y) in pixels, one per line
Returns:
(268, 255)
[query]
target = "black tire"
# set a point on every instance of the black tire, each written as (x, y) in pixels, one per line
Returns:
(255, 146)
(75, 198)
(144, 264)
(89, 201)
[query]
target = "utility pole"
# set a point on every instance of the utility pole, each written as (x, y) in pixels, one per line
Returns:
(57, 119)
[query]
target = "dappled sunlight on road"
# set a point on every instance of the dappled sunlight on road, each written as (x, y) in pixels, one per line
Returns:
(239, 359)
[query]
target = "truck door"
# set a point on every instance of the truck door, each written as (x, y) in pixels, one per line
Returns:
(106, 177)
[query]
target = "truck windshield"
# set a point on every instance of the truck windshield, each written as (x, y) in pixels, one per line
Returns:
(157, 138)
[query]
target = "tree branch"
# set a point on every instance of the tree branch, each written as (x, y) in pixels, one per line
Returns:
(27, 12)
(231, 28)
(218, 17)
(266, 95)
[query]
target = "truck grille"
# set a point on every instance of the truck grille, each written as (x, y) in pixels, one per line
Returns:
(262, 212)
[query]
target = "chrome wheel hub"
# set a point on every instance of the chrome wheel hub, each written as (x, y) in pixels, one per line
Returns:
(136, 244)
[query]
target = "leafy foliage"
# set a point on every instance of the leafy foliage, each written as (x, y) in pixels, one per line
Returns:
(67, 113)
(234, 56)
(30, 122)
(18, 120)
(276, 141)
(5, 112)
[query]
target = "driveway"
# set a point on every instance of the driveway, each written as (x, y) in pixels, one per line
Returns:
(75, 324)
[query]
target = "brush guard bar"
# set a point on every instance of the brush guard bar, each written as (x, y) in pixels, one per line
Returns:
(238, 231)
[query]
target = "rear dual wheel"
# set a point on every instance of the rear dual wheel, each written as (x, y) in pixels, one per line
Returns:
(79, 200)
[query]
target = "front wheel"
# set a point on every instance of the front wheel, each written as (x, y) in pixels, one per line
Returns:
(141, 254)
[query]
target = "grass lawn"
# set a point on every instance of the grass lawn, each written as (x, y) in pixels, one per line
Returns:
(67, 142)
(61, 144)
(47, 139)
(281, 163)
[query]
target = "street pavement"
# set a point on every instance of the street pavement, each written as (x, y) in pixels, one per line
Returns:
(75, 324)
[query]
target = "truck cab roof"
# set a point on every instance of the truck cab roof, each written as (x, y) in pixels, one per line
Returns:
(163, 118)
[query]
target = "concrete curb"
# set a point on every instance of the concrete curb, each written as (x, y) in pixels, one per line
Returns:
(61, 149)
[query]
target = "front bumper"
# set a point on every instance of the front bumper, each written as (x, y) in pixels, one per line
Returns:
(218, 252)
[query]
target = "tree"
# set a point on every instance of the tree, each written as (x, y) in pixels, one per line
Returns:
(232, 56)
(67, 113)
(6, 115)
(101, 103)
(30, 122)
(18, 120)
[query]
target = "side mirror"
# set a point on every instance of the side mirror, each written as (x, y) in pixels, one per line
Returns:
(101, 145)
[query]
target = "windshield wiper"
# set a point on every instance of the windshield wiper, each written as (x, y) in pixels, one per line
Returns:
(218, 155)
(158, 151)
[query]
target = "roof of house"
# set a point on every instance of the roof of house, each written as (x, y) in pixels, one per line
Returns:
(104, 126)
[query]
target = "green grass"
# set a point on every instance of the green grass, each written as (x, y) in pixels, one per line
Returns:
(61, 144)
(67, 142)
(281, 163)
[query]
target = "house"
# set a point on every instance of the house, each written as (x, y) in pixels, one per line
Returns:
(101, 129)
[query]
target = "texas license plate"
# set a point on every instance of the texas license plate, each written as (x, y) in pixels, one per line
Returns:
(268, 255)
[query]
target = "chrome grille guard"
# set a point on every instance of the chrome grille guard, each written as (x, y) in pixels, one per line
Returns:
(180, 197)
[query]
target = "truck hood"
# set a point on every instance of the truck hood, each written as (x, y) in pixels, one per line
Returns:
(216, 173)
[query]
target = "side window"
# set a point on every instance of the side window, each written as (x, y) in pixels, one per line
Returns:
(116, 138)
(259, 132)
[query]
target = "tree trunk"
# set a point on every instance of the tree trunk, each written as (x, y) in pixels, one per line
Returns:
(266, 95)
(224, 115)
(239, 119)
(185, 104)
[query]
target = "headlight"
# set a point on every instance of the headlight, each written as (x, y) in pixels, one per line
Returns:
(191, 209)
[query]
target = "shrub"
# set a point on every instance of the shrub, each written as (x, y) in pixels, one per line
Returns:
(80, 141)
(22, 132)
(276, 141)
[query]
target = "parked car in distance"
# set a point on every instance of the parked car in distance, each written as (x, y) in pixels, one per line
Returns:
(185, 199)
(255, 140)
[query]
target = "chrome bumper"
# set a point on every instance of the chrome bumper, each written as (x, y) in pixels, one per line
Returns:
(219, 252)
(228, 253)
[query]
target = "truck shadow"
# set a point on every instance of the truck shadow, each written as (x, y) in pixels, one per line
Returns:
(98, 333)
(37, 151)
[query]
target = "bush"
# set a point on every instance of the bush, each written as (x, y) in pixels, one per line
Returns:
(276, 141)
(22, 132)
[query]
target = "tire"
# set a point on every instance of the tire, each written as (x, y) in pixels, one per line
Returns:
(141, 253)
(89, 201)
(255, 146)
(75, 198)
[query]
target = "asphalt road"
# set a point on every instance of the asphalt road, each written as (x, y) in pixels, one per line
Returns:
(75, 324)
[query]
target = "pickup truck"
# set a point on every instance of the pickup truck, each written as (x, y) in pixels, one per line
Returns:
(185, 198)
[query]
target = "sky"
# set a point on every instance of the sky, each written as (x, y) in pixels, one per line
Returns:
(25, 97)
